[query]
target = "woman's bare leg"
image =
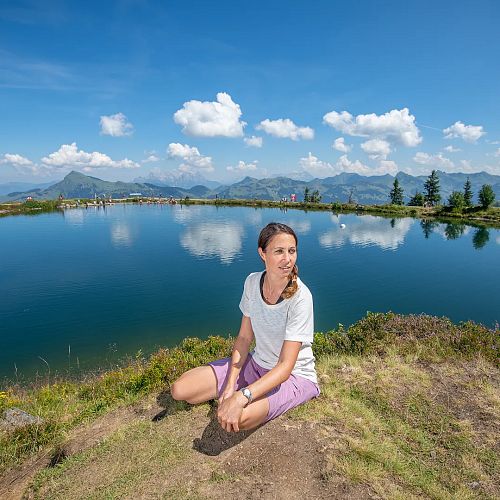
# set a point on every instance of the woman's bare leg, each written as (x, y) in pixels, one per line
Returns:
(195, 386)
(254, 414)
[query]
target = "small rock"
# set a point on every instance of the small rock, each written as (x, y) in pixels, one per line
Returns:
(14, 418)
(474, 485)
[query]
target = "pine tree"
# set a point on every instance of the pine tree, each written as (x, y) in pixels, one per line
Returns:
(456, 200)
(486, 196)
(306, 195)
(468, 193)
(396, 194)
(431, 188)
(417, 200)
(315, 197)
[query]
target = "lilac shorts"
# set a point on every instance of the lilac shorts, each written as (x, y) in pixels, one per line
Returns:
(291, 393)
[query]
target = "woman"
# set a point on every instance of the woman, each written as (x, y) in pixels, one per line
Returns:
(279, 374)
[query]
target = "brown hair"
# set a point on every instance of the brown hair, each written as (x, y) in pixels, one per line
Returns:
(265, 236)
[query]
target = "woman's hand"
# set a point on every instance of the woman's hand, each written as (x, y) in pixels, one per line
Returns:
(230, 410)
(226, 393)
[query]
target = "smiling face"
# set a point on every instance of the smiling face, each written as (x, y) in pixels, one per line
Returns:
(280, 255)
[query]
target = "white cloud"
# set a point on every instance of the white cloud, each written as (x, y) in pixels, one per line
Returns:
(469, 133)
(285, 129)
(497, 153)
(341, 146)
(192, 160)
(451, 149)
(395, 125)
(211, 119)
(438, 161)
(16, 160)
(24, 165)
(319, 168)
(243, 167)
(116, 125)
(152, 158)
(376, 148)
(68, 156)
(316, 167)
(253, 141)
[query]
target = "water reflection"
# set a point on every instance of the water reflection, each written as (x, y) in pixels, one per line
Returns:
(74, 216)
(254, 218)
(121, 235)
(454, 231)
(428, 226)
(184, 213)
(214, 239)
(370, 230)
(480, 238)
(299, 226)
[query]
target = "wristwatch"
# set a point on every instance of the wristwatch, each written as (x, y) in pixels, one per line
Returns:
(247, 393)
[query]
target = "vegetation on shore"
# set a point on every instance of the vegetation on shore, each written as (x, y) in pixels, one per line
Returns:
(476, 215)
(373, 343)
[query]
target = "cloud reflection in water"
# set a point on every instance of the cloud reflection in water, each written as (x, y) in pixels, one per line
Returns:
(369, 230)
(121, 235)
(214, 239)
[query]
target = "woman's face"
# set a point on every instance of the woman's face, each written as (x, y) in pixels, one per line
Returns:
(280, 255)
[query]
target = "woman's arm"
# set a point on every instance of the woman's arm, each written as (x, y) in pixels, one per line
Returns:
(230, 410)
(240, 353)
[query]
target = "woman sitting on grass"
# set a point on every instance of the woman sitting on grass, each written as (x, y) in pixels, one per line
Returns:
(279, 374)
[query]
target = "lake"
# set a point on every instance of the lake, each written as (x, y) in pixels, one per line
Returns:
(88, 286)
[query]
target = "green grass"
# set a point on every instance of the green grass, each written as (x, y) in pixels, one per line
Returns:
(374, 390)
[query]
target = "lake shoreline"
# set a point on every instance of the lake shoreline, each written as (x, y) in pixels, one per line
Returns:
(474, 216)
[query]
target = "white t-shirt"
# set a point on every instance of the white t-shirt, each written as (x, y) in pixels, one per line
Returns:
(290, 319)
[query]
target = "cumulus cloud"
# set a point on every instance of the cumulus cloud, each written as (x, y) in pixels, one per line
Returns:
(451, 149)
(319, 168)
(438, 161)
(116, 125)
(192, 160)
(285, 129)
(68, 156)
(211, 119)
(253, 141)
(151, 158)
(469, 133)
(16, 160)
(341, 146)
(376, 149)
(24, 165)
(397, 125)
(243, 167)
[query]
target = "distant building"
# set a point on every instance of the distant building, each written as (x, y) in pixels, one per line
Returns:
(135, 194)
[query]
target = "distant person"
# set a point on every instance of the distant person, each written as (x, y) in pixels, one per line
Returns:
(253, 388)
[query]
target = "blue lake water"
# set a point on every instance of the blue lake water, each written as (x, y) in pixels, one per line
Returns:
(91, 285)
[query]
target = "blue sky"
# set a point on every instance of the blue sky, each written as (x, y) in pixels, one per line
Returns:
(127, 89)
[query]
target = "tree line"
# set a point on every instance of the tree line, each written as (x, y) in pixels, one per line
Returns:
(458, 200)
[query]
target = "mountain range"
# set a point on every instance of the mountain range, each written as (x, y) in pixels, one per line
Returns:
(363, 190)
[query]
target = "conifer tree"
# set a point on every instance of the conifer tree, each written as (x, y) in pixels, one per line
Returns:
(306, 195)
(417, 200)
(431, 188)
(396, 194)
(456, 200)
(468, 193)
(486, 196)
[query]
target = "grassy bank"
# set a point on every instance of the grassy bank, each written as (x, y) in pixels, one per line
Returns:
(29, 207)
(377, 381)
(491, 216)
(474, 216)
